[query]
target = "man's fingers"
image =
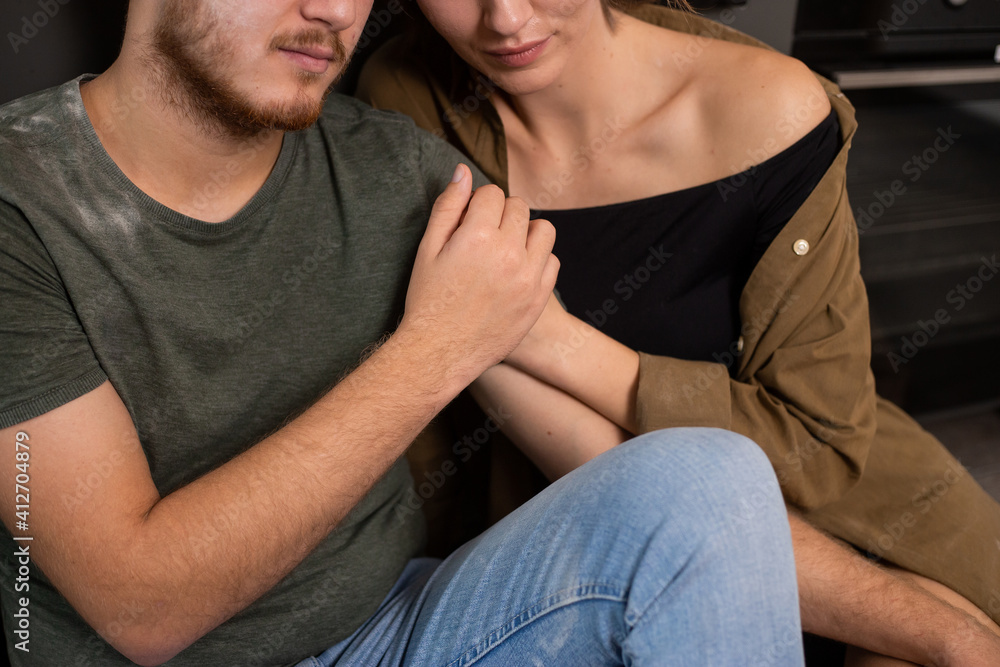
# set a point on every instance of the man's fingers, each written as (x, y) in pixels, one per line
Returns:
(550, 273)
(446, 215)
(486, 209)
(516, 216)
(540, 239)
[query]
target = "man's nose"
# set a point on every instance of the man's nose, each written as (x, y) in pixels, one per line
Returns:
(338, 14)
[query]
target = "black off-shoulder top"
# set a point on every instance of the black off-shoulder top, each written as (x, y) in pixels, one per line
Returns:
(664, 274)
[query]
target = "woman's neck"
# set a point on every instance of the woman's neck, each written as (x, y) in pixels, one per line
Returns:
(600, 84)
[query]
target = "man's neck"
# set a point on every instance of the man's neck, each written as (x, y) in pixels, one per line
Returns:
(175, 158)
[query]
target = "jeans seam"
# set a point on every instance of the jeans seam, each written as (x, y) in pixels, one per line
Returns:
(579, 593)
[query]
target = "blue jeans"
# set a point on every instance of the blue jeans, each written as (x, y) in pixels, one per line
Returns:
(670, 549)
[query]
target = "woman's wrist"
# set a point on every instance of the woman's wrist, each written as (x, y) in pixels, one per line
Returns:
(546, 349)
(573, 356)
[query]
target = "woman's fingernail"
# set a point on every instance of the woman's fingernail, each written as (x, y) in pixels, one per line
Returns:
(459, 174)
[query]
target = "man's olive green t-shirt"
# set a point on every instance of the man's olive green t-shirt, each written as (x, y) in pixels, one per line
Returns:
(213, 335)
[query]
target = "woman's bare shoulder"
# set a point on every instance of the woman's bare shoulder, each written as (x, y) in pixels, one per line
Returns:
(754, 103)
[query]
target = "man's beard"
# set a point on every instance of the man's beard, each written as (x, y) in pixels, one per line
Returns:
(186, 45)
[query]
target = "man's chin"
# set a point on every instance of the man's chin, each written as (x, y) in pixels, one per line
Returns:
(294, 116)
(252, 120)
(289, 121)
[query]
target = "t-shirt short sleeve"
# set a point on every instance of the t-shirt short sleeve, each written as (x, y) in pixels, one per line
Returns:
(45, 357)
(438, 160)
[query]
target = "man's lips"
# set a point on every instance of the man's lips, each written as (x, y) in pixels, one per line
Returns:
(520, 55)
(310, 58)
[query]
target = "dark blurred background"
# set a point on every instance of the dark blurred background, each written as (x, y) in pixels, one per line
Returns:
(915, 69)
(44, 47)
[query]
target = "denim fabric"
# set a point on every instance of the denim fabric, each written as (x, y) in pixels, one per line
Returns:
(670, 549)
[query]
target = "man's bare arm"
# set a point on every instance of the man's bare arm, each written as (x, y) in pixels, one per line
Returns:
(126, 550)
(845, 597)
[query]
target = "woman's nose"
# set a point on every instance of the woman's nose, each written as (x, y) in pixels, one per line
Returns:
(507, 17)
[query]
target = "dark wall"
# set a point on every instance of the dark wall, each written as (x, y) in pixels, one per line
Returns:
(771, 21)
(48, 42)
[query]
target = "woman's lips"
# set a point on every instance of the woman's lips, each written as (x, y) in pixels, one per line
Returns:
(519, 56)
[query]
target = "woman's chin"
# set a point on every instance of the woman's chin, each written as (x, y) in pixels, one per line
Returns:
(524, 82)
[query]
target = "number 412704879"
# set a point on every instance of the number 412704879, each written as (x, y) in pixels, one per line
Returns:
(22, 454)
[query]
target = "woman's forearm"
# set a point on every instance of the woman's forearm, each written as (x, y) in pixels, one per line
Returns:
(574, 357)
(555, 430)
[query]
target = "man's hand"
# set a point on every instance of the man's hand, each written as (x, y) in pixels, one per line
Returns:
(879, 611)
(482, 275)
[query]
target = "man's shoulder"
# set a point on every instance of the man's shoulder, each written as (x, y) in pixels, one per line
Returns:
(36, 119)
(344, 114)
(352, 127)
(38, 143)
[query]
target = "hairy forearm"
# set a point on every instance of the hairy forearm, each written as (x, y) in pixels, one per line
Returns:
(209, 549)
(845, 597)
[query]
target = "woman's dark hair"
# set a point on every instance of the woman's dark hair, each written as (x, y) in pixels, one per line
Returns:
(625, 5)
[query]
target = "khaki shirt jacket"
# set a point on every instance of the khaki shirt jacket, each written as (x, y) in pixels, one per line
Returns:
(854, 464)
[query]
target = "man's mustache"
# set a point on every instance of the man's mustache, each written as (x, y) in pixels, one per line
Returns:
(311, 39)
